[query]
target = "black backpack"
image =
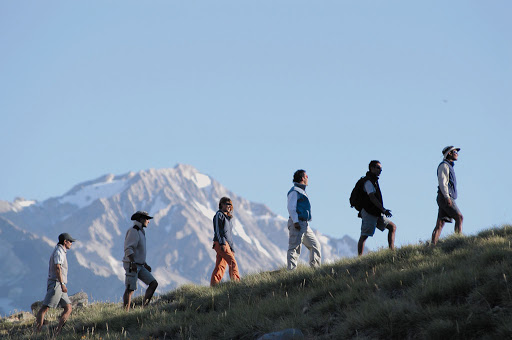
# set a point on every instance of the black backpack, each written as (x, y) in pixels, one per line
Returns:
(357, 195)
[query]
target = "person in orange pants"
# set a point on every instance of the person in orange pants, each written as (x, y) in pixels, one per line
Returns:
(223, 243)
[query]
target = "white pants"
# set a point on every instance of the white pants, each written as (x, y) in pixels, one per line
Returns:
(297, 238)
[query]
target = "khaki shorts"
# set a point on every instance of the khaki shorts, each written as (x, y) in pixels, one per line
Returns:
(446, 213)
(131, 278)
(54, 295)
(370, 222)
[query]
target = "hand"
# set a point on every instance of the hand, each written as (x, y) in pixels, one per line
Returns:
(223, 247)
(133, 266)
(449, 202)
(388, 213)
(296, 225)
(64, 288)
(147, 267)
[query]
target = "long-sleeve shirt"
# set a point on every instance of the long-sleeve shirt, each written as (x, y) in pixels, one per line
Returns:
(292, 206)
(298, 204)
(443, 177)
(135, 244)
(223, 229)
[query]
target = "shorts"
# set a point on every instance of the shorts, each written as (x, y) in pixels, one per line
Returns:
(131, 277)
(370, 222)
(446, 213)
(54, 296)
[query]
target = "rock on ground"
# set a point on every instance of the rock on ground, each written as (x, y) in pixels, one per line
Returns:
(287, 334)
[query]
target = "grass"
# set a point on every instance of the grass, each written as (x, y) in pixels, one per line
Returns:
(460, 289)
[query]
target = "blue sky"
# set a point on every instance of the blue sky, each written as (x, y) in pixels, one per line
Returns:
(248, 92)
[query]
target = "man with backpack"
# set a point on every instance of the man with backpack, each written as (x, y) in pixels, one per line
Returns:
(367, 199)
(447, 193)
(299, 230)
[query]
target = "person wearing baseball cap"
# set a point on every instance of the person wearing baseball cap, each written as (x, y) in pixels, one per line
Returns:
(447, 193)
(57, 291)
(134, 261)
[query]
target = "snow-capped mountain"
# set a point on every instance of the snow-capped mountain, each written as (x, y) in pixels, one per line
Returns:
(183, 202)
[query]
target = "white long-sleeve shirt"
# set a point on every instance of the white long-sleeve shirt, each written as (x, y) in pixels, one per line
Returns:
(443, 178)
(292, 206)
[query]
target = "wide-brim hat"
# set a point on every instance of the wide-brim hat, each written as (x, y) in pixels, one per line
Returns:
(139, 214)
(66, 236)
(449, 149)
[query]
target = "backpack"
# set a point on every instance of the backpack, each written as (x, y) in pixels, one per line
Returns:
(357, 195)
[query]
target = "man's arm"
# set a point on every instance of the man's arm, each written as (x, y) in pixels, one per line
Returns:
(369, 188)
(376, 202)
(130, 243)
(292, 208)
(443, 178)
(218, 222)
(58, 270)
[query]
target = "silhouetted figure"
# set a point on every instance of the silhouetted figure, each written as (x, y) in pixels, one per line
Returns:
(373, 214)
(447, 194)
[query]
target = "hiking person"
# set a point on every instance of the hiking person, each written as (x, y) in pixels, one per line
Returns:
(56, 289)
(134, 261)
(223, 243)
(373, 213)
(299, 209)
(447, 194)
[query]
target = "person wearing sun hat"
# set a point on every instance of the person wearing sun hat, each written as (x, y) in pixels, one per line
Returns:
(134, 261)
(57, 291)
(447, 193)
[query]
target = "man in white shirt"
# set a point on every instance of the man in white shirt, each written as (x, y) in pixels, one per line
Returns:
(299, 209)
(57, 291)
(447, 194)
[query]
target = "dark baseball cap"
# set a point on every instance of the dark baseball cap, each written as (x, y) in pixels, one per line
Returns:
(65, 236)
(139, 214)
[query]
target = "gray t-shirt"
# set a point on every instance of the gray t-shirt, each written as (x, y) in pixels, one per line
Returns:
(58, 257)
(369, 188)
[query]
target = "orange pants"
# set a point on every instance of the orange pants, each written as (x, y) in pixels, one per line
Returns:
(224, 258)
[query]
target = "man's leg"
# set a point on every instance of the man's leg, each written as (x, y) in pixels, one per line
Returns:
(149, 292)
(294, 244)
(229, 257)
(391, 235)
(40, 317)
(437, 230)
(127, 298)
(220, 266)
(368, 225)
(311, 242)
(63, 318)
(458, 223)
(360, 244)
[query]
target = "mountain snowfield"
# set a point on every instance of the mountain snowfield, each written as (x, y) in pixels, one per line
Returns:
(183, 202)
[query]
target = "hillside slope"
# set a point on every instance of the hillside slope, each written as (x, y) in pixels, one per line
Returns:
(459, 289)
(97, 213)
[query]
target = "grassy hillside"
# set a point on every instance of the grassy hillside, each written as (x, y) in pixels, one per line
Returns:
(460, 289)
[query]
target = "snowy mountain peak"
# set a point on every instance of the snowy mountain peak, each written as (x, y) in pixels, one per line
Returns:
(104, 187)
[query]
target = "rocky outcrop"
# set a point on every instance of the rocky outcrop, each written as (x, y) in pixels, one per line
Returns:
(78, 300)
